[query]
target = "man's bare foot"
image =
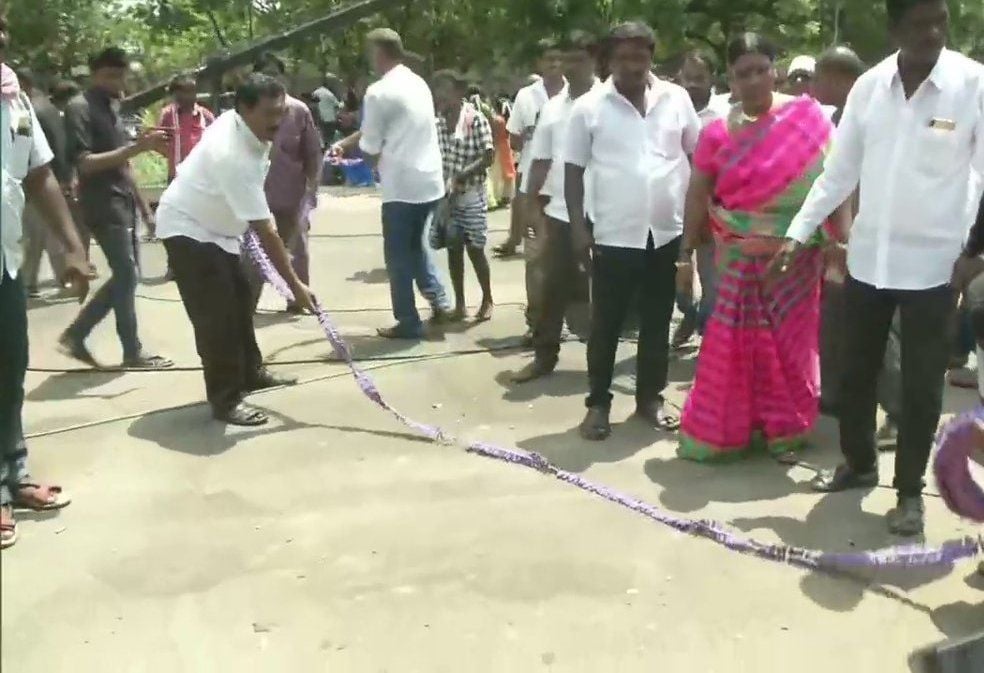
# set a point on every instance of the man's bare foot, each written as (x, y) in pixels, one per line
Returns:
(485, 311)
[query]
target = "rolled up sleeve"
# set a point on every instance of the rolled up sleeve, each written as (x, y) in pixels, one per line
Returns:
(373, 124)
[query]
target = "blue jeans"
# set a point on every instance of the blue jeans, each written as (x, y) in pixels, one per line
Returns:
(117, 294)
(408, 261)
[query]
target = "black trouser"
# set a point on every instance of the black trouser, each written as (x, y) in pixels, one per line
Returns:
(13, 367)
(618, 276)
(564, 283)
(925, 351)
(216, 296)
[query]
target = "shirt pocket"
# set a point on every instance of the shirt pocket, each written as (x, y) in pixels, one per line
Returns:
(20, 156)
(937, 149)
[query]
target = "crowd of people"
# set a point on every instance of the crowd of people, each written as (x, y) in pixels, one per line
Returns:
(832, 215)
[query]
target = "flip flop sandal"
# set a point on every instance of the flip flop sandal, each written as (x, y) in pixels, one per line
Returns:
(150, 362)
(8, 534)
(484, 316)
(58, 498)
(245, 416)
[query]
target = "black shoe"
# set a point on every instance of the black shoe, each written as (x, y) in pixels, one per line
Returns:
(534, 370)
(596, 427)
(908, 517)
(265, 379)
(527, 339)
(887, 437)
(843, 479)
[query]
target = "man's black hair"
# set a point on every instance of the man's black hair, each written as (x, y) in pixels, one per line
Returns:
(580, 40)
(257, 86)
(179, 82)
(751, 43)
(633, 31)
(475, 89)
(896, 9)
(63, 91)
(547, 44)
(388, 41)
(110, 57)
(267, 59)
(459, 81)
(841, 60)
(698, 57)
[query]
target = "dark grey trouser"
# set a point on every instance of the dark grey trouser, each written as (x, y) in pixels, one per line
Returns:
(832, 347)
(116, 238)
(925, 352)
(13, 367)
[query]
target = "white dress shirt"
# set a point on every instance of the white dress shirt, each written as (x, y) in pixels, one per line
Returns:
(398, 124)
(639, 164)
(525, 114)
(912, 159)
(548, 145)
(23, 148)
(219, 188)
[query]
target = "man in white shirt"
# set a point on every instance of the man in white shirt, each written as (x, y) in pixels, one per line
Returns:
(328, 105)
(522, 122)
(635, 134)
(25, 171)
(697, 76)
(216, 196)
(565, 278)
(399, 133)
(911, 131)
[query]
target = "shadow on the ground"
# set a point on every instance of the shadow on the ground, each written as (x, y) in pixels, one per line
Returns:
(362, 346)
(192, 430)
(689, 486)
(963, 619)
(837, 523)
(561, 383)
(568, 451)
(371, 277)
(73, 385)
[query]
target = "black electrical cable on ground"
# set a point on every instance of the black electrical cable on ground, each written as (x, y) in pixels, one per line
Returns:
(280, 363)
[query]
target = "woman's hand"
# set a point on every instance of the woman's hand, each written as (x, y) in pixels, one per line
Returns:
(685, 278)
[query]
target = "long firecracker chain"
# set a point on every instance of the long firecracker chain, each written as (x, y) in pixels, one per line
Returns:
(899, 556)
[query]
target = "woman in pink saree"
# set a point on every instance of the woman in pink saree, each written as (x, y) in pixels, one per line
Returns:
(757, 382)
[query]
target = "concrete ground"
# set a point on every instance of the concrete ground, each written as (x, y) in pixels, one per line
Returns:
(335, 540)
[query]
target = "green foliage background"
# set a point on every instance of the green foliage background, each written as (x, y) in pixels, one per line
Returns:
(485, 36)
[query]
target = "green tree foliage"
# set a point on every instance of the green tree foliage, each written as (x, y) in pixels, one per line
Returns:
(479, 35)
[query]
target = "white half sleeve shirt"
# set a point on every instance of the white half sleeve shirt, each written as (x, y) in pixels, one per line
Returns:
(640, 166)
(218, 190)
(913, 160)
(548, 145)
(398, 124)
(523, 120)
(23, 148)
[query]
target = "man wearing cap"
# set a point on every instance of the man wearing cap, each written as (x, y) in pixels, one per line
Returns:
(800, 77)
